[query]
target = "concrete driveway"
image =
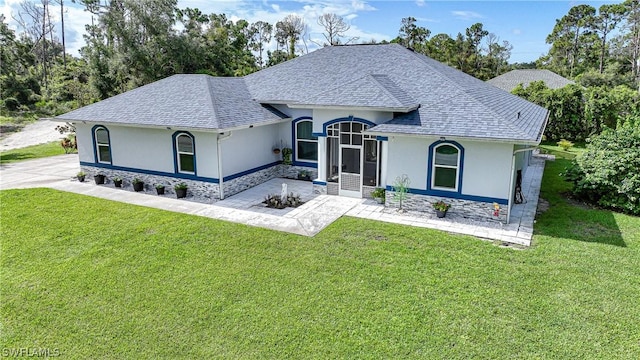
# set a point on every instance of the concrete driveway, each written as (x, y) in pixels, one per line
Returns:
(45, 172)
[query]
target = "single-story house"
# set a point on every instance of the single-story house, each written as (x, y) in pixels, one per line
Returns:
(354, 117)
(510, 80)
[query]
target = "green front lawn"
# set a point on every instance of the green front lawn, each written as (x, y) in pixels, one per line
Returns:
(31, 152)
(100, 279)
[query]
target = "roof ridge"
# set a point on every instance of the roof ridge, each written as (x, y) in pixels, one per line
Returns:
(212, 97)
(394, 84)
(509, 123)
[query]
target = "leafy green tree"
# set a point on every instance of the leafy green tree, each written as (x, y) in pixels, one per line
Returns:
(412, 35)
(569, 38)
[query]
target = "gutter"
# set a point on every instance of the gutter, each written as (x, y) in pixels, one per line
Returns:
(513, 165)
(220, 138)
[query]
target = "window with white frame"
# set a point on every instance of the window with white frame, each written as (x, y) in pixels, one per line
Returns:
(103, 145)
(185, 154)
(306, 143)
(446, 167)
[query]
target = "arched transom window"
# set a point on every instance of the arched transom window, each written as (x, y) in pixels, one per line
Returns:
(103, 145)
(185, 154)
(446, 167)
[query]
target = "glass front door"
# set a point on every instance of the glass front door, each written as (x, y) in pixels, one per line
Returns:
(350, 171)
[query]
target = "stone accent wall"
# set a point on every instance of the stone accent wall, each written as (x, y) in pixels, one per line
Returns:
(320, 189)
(203, 191)
(465, 208)
(245, 182)
(332, 188)
(291, 171)
(366, 191)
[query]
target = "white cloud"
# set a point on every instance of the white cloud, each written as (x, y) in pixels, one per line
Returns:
(466, 15)
(516, 31)
(420, 2)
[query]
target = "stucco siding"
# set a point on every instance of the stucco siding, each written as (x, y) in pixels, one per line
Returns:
(148, 148)
(249, 148)
(85, 142)
(487, 169)
(408, 156)
(486, 166)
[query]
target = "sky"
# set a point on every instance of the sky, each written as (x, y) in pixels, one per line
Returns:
(525, 24)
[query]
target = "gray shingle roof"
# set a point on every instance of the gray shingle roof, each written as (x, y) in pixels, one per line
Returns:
(509, 81)
(452, 103)
(370, 91)
(388, 77)
(193, 101)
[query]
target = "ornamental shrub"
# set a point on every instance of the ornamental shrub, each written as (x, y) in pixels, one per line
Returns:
(608, 172)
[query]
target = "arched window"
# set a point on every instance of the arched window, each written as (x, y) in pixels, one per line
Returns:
(102, 145)
(306, 143)
(446, 167)
(185, 153)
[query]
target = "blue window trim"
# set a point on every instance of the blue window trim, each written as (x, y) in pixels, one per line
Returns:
(454, 195)
(344, 119)
(174, 139)
(439, 192)
(313, 164)
(95, 145)
(151, 172)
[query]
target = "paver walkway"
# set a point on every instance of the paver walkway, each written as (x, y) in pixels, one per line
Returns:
(319, 211)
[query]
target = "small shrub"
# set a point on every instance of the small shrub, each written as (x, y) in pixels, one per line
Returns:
(180, 186)
(11, 104)
(565, 144)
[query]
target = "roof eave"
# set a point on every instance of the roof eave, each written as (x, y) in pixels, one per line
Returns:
(454, 137)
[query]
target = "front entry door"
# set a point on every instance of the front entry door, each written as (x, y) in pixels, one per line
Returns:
(350, 171)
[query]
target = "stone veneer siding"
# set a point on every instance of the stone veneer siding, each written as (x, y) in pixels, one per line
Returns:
(470, 209)
(204, 191)
(320, 189)
(333, 188)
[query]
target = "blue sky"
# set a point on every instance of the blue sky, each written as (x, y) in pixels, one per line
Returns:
(525, 24)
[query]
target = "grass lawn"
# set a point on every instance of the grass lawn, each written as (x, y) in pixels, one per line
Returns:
(99, 279)
(31, 152)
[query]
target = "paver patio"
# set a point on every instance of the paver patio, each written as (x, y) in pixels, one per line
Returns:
(319, 211)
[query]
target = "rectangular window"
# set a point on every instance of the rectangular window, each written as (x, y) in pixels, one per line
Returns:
(186, 163)
(306, 143)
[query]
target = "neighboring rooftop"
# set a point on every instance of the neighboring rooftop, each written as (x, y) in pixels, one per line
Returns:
(509, 81)
(428, 97)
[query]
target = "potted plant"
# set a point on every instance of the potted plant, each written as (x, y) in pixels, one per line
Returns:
(81, 176)
(138, 185)
(181, 190)
(99, 179)
(441, 208)
(304, 175)
(160, 189)
(379, 195)
(117, 181)
(286, 156)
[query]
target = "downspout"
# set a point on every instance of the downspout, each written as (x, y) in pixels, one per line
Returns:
(513, 166)
(221, 136)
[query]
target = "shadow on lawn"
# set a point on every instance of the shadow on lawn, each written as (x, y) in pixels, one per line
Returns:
(16, 156)
(570, 219)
